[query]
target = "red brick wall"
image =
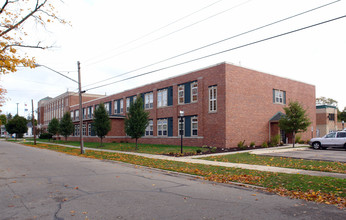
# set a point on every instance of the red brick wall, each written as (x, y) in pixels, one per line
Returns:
(250, 104)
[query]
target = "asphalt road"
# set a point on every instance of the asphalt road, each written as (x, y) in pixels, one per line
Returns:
(331, 154)
(42, 184)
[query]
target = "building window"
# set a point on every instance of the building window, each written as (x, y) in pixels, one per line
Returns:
(72, 115)
(149, 131)
(212, 98)
(279, 96)
(85, 115)
(194, 125)
(149, 100)
(107, 107)
(84, 129)
(181, 126)
(115, 106)
(162, 98)
(162, 127)
(89, 129)
(128, 103)
(76, 130)
(331, 117)
(181, 94)
(121, 105)
(194, 92)
(134, 99)
(76, 114)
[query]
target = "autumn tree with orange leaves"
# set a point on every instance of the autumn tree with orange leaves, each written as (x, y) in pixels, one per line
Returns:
(15, 38)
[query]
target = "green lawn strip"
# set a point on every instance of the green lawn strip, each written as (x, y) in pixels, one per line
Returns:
(291, 182)
(248, 158)
(130, 147)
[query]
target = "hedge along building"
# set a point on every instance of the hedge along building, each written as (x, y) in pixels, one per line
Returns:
(223, 105)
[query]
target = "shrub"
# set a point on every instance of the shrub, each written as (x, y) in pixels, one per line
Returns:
(45, 136)
(198, 151)
(264, 144)
(275, 140)
(252, 144)
(301, 142)
(298, 139)
(213, 150)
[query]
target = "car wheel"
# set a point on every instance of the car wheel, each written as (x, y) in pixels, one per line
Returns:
(316, 145)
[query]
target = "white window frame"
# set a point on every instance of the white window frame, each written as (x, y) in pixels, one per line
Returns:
(212, 93)
(181, 124)
(149, 100)
(115, 106)
(89, 129)
(194, 120)
(279, 96)
(84, 129)
(162, 127)
(76, 114)
(107, 106)
(121, 105)
(128, 103)
(162, 96)
(149, 130)
(85, 115)
(181, 94)
(194, 87)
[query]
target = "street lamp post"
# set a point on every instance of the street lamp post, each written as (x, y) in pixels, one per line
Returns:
(181, 114)
(80, 101)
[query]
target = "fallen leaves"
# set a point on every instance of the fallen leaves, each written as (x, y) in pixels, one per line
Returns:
(327, 198)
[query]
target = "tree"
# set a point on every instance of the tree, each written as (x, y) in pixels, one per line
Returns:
(326, 101)
(53, 126)
(137, 120)
(102, 124)
(14, 33)
(295, 120)
(66, 126)
(17, 125)
(342, 115)
(3, 119)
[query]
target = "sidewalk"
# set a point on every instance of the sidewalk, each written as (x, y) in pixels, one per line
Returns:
(195, 160)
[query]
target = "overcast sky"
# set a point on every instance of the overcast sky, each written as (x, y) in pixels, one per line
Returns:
(115, 37)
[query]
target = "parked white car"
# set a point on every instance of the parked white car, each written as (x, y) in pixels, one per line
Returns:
(333, 139)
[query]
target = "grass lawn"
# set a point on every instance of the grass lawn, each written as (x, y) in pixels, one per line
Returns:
(248, 158)
(130, 147)
(312, 188)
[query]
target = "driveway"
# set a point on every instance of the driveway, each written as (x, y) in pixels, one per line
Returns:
(331, 154)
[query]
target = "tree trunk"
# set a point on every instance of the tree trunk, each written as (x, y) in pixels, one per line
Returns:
(294, 138)
(101, 142)
(136, 143)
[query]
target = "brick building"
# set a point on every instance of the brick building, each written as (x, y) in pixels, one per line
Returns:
(49, 108)
(223, 105)
(326, 119)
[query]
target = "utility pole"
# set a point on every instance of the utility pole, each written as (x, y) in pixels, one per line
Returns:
(80, 110)
(17, 107)
(33, 121)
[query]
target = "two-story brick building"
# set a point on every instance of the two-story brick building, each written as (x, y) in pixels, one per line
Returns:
(223, 105)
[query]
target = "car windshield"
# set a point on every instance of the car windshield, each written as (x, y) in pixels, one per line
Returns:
(330, 135)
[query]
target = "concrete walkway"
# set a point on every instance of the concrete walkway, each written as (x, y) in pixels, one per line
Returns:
(195, 160)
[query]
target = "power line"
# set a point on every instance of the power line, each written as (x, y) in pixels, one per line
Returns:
(217, 42)
(166, 35)
(224, 51)
(160, 28)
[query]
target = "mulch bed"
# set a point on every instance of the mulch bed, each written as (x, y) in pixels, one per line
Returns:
(212, 151)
